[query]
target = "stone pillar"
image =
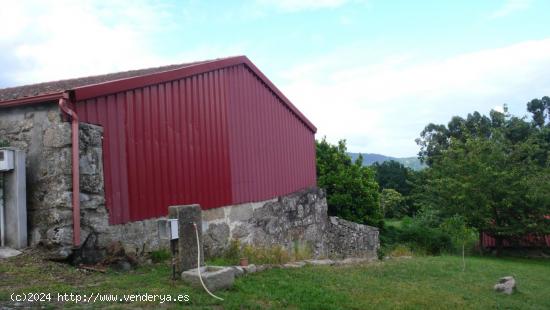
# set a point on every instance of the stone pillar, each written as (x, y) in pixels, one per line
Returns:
(187, 243)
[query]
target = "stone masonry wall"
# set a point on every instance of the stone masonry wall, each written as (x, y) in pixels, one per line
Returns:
(46, 139)
(96, 233)
(349, 239)
(39, 131)
(300, 217)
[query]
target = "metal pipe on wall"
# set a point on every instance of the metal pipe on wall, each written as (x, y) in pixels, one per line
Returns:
(75, 167)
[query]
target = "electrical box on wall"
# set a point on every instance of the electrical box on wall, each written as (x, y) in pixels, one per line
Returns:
(174, 232)
(6, 160)
(168, 229)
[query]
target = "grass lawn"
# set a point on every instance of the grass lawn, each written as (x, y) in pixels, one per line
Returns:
(417, 283)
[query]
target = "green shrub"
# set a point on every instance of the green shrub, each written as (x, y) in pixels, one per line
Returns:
(301, 251)
(420, 238)
(160, 256)
(430, 240)
(352, 192)
(263, 255)
(400, 250)
(266, 255)
(233, 252)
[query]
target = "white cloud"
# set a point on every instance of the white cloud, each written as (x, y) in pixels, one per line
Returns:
(382, 107)
(63, 39)
(509, 7)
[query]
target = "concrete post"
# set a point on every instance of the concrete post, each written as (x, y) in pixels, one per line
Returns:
(187, 242)
(16, 203)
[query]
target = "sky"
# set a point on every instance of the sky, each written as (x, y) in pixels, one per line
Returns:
(373, 72)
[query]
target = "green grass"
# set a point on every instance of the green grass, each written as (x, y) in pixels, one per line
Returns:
(418, 283)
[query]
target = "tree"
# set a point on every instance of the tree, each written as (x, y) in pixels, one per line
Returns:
(492, 172)
(460, 233)
(435, 139)
(394, 175)
(352, 192)
(540, 109)
(392, 203)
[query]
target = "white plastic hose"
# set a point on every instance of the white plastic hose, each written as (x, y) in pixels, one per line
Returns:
(199, 264)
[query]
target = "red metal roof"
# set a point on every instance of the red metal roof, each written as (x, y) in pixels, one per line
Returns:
(100, 85)
(56, 87)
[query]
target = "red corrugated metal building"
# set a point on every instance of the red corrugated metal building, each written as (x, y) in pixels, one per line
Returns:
(215, 133)
(488, 241)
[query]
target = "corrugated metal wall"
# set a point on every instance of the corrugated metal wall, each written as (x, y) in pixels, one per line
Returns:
(487, 241)
(215, 138)
(272, 151)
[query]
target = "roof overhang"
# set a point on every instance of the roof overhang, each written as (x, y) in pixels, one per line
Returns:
(112, 87)
(31, 100)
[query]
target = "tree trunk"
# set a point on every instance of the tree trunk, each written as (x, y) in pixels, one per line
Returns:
(480, 247)
(498, 240)
(463, 258)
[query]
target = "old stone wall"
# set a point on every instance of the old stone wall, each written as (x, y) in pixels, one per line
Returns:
(300, 218)
(46, 139)
(96, 233)
(39, 131)
(349, 239)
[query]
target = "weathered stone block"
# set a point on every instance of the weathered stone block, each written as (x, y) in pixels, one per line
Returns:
(58, 199)
(188, 216)
(92, 183)
(90, 135)
(215, 239)
(506, 285)
(214, 278)
(58, 135)
(96, 220)
(241, 231)
(88, 163)
(213, 214)
(90, 201)
(240, 212)
(60, 235)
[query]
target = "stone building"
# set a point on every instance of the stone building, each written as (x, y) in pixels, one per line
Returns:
(119, 149)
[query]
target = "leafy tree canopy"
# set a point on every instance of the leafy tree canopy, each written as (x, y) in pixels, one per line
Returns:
(392, 203)
(394, 175)
(352, 192)
(492, 171)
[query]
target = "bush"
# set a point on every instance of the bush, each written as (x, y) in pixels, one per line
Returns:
(420, 238)
(432, 241)
(352, 192)
(400, 250)
(233, 252)
(264, 255)
(160, 256)
(301, 251)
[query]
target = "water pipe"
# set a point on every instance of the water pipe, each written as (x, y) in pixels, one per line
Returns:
(75, 167)
(199, 264)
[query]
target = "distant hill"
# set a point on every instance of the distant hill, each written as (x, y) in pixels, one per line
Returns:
(370, 158)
